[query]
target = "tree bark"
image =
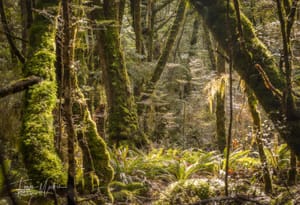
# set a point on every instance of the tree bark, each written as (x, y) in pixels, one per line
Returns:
(162, 61)
(245, 58)
(19, 86)
(220, 104)
(137, 24)
(37, 137)
(252, 104)
(123, 127)
(68, 91)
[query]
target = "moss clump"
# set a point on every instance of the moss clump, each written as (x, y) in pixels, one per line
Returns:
(185, 192)
(99, 153)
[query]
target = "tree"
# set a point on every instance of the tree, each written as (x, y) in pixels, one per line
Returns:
(163, 59)
(135, 6)
(68, 91)
(123, 127)
(37, 137)
(247, 60)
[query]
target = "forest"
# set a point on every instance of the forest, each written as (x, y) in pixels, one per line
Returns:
(163, 102)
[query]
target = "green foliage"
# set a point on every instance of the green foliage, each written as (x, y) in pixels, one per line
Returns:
(128, 192)
(242, 159)
(278, 157)
(171, 164)
(185, 192)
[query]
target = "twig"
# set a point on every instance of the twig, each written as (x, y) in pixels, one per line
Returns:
(267, 81)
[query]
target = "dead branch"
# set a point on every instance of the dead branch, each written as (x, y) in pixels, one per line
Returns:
(19, 86)
(238, 199)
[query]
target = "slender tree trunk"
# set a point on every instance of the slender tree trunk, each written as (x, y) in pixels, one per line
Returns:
(137, 24)
(209, 46)
(7, 32)
(162, 61)
(24, 15)
(252, 103)
(150, 29)
(286, 17)
(246, 60)
(195, 36)
(68, 91)
(220, 104)
(121, 9)
(37, 138)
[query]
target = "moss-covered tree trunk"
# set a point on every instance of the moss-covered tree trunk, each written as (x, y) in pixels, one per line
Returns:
(122, 122)
(37, 137)
(252, 104)
(98, 172)
(246, 58)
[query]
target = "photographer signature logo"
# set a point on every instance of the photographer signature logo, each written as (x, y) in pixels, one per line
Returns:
(25, 187)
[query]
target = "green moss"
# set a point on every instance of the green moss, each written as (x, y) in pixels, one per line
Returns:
(37, 137)
(99, 152)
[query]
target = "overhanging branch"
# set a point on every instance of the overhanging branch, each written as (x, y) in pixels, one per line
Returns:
(19, 86)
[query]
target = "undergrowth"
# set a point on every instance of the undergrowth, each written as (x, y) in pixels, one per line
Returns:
(175, 176)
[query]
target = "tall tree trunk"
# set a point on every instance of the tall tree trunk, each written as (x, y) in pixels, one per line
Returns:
(247, 60)
(195, 36)
(150, 19)
(123, 127)
(209, 46)
(137, 24)
(252, 103)
(220, 104)
(37, 137)
(162, 61)
(286, 17)
(13, 47)
(68, 91)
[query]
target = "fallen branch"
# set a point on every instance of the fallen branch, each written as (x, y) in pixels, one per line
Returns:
(19, 86)
(238, 199)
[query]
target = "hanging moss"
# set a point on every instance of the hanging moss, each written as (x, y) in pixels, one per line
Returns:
(37, 137)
